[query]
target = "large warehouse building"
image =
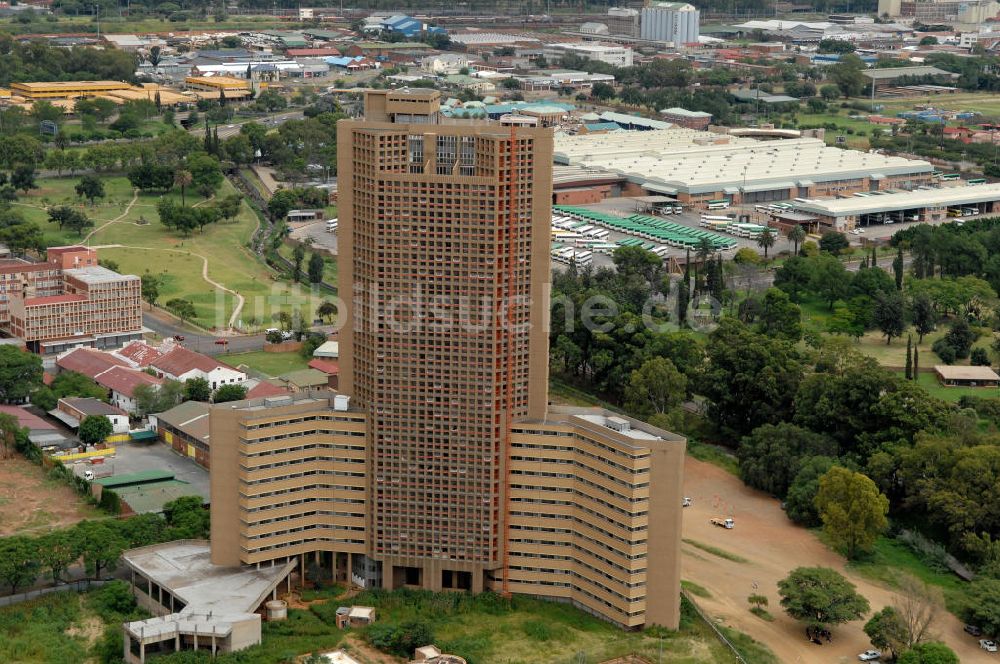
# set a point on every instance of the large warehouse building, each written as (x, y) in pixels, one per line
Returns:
(889, 208)
(698, 166)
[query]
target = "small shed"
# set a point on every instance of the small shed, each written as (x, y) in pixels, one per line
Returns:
(960, 376)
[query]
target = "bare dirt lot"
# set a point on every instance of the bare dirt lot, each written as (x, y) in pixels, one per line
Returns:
(30, 501)
(772, 546)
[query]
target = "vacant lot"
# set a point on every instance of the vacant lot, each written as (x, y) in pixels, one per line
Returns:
(271, 364)
(214, 269)
(29, 500)
(771, 547)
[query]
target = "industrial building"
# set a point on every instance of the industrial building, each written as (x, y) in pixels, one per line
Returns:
(697, 166)
(231, 87)
(65, 89)
(440, 464)
(674, 22)
(925, 204)
(969, 12)
(617, 56)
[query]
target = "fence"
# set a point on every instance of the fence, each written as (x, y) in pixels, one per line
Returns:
(82, 584)
(718, 633)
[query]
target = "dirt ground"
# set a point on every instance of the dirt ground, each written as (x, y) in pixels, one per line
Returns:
(773, 546)
(29, 501)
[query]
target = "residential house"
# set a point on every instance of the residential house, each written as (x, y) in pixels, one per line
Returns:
(181, 364)
(72, 411)
(121, 383)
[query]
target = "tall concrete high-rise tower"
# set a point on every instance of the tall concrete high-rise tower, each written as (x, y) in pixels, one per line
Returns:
(443, 254)
(439, 465)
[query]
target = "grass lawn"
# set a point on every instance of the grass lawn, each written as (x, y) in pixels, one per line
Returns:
(272, 364)
(489, 630)
(928, 380)
(843, 122)
(177, 260)
(987, 104)
(890, 559)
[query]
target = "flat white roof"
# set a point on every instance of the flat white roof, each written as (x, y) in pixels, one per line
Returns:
(632, 432)
(699, 162)
(97, 274)
(920, 198)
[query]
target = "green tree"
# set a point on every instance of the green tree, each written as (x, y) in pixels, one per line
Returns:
(71, 218)
(326, 310)
(150, 288)
(830, 280)
(897, 268)
(923, 315)
(57, 550)
(230, 392)
(206, 174)
(19, 566)
(197, 389)
(238, 149)
(187, 518)
(779, 317)
(182, 179)
(800, 501)
(20, 374)
(315, 268)
(772, 455)
(833, 242)
(298, 255)
(821, 597)
(766, 240)
(980, 607)
(796, 236)
(94, 429)
(181, 308)
(655, 388)
(933, 652)
(908, 368)
(750, 379)
(848, 75)
(101, 546)
(890, 314)
(852, 509)
(90, 187)
(886, 631)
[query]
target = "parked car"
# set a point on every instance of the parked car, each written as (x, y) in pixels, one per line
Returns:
(686, 502)
(973, 630)
(869, 656)
(987, 645)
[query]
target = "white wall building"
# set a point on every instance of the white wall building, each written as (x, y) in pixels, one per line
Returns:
(444, 64)
(181, 364)
(676, 22)
(617, 56)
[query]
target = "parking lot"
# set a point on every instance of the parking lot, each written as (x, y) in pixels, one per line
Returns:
(155, 455)
(315, 233)
(691, 218)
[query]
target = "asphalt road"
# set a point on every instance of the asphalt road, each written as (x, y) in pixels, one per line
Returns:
(202, 343)
(233, 128)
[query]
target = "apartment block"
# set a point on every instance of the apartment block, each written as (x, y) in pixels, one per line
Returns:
(440, 464)
(95, 307)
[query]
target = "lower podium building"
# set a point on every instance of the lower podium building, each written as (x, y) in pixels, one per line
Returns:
(591, 506)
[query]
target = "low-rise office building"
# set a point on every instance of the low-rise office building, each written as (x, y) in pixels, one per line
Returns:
(96, 307)
(65, 89)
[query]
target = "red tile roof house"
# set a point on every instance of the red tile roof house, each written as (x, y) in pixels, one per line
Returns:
(182, 364)
(121, 382)
(88, 361)
(139, 354)
(330, 368)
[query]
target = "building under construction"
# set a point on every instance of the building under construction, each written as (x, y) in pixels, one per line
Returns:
(440, 464)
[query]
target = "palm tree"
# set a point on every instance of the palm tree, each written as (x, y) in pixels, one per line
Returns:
(766, 240)
(182, 179)
(797, 235)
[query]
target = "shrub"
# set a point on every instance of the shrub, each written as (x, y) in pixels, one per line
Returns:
(979, 357)
(944, 350)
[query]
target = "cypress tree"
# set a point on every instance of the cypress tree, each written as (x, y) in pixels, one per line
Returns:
(897, 267)
(916, 362)
(874, 257)
(684, 292)
(909, 357)
(216, 145)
